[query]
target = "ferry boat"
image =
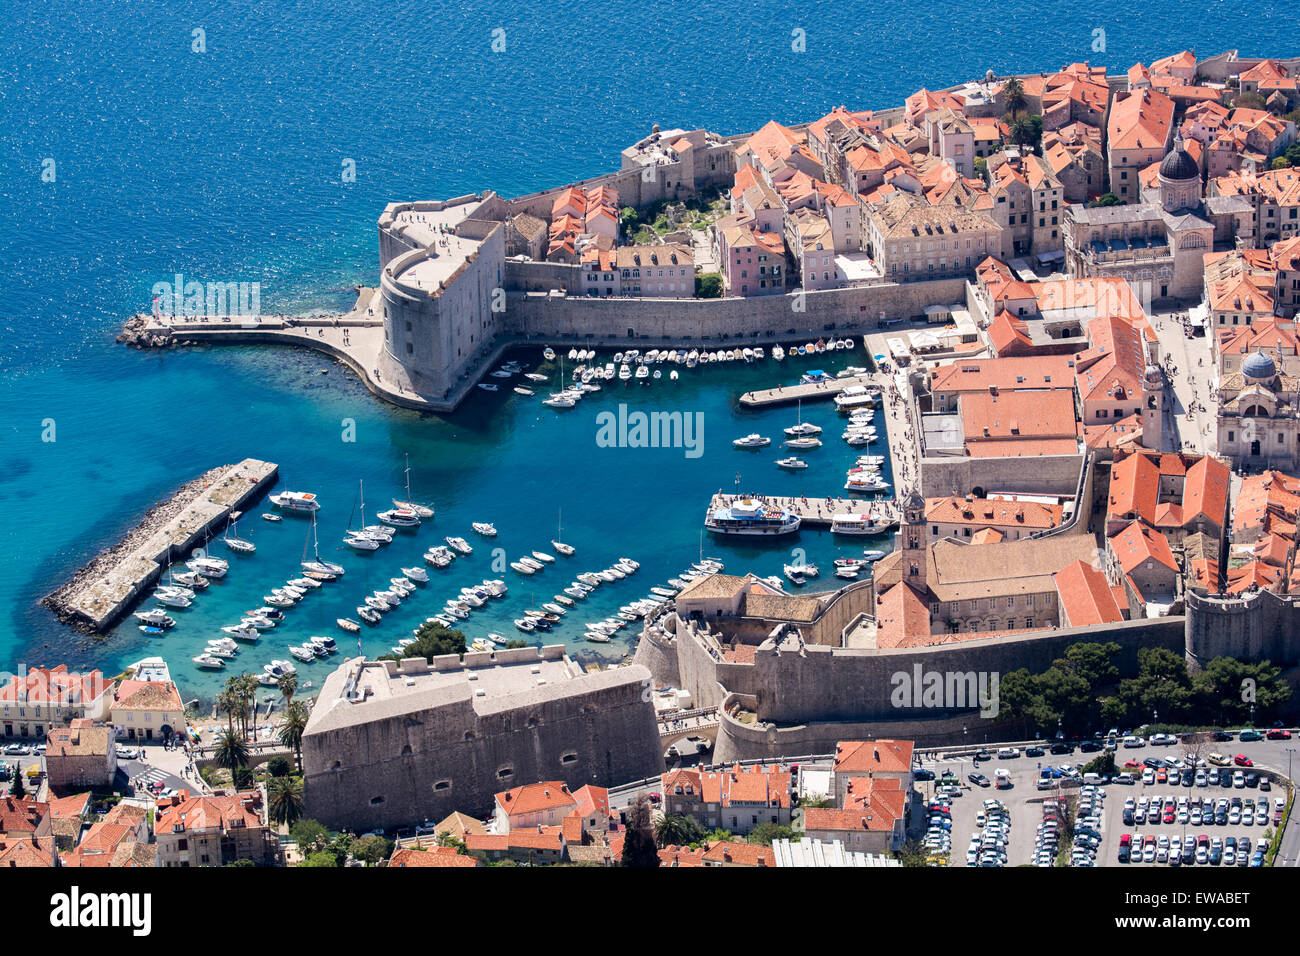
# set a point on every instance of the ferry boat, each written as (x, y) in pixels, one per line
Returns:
(750, 517)
(296, 501)
(856, 396)
(858, 524)
(865, 482)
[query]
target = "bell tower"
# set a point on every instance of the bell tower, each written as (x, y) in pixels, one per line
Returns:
(1153, 408)
(913, 540)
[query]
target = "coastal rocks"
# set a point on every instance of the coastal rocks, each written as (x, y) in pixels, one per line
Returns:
(136, 333)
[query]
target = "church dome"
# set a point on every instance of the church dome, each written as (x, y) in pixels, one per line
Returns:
(1257, 365)
(1179, 165)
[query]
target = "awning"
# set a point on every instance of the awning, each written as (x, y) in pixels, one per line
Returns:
(1052, 256)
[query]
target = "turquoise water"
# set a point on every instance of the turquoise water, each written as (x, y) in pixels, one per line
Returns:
(225, 165)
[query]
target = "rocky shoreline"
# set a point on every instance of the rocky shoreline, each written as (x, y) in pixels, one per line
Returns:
(136, 334)
(58, 600)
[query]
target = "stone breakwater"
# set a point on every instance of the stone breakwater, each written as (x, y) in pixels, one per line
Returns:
(137, 333)
(98, 594)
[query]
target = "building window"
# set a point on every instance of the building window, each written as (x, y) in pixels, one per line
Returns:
(376, 801)
(442, 785)
(569, 758)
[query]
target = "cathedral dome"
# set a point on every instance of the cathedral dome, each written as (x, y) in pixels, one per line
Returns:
(1259, 366)
(1179, 165)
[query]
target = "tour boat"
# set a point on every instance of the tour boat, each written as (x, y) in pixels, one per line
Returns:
(858, 524)
(865, 483)
(792, 463)
(856, 396)
(750, 517)
(485, 529)
(296, 501)
(399, 518)
(459, 544)
(349, 625)
(267, 516)
(754, 440)
(803, 443)
(207, 662)
(155, 617)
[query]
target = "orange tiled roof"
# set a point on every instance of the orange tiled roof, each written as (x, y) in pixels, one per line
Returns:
(1138, 543)
(434, 856)
(1085, 595)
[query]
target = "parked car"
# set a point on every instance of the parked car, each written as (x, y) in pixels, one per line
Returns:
(1276, 734)
(1241, 760)
(978, 779)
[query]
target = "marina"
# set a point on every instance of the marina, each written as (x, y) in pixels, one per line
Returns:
(807, 392)
(106, 588)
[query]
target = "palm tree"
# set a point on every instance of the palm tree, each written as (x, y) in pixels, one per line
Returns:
(226, 703)
(674, 830)
(284, 799)
(1013, 91)
(292, 727)
(248, 692)
(288, 684)
(231, 752)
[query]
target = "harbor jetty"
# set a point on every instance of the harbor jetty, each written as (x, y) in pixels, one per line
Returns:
(812, 392)
(106, 588)
(818, 512)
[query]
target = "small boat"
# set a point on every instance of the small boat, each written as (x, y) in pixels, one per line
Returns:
(564, 599)
(488, 387)
(525, 624)
(328, 567)
(754, 440)
(544, 557)
(361, 543)
(303, 653)
(778, 353)
(237, 544)
(208, 662)
(349, 625)
(323, 576)
(416, 574)
(548, 353)
(172, 599)
(803, 428)
(565, 549)
(369, 615)
(802, 443)
(459, 544)
(642, 372)
(794, 573)
(531, 562)
(208, 566)
(485, 529)
(152, 630)
(521, 390)
(872, 554)
(222, 649)
(501, 373)
(554, 608)
(376, 604)
(243, 632)
(535, 377)
(155, 617)
(279, 668)
(522, 568)
(597, 638)
(267, 516)
(865, 483)
(793, 463)
(848, 572)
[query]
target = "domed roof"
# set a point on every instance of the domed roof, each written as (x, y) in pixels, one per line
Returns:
(1258, 365)
(1179, 165)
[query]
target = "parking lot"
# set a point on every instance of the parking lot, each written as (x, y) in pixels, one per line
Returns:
(1024, 788)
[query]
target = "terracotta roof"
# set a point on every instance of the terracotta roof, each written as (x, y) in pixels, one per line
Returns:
(1085, 596)
(864, 757)
(1138, 543)
(1140, 120)
(977, 375)
(58, 685)
(148, 695)
(435, 856)
(736, 853)
(536, 797)
(185, 813)
(992, 511)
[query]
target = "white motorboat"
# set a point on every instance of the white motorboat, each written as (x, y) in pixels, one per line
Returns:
(565, 549)
(521, 567)
(535, 377)
(296, 501)
(243, 632)
(642, 372)
(222, 649)
(361, 543)
(376, 604)
(859, 524)
(532, 563)
(624, 373)
(279, 668)
(803, 428)
(856, 396)
(172, 599)
(778, 353)
(303, 654)
(459, 544)
(754, 440)
(208, 566)
(416, 574)
(865, 483)
(208, 662)
(399, 518)
(155, 617)
(304, 584)
(488, 387)
(861, 439)
(191, 579)
(544, 557)
(368, 614)
(267, 516)
(849, 572)
(872, 554)
(792, 463)
(485, 529)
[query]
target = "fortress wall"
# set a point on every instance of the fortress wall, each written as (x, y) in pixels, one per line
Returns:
(537, 316)
(657, 653)
(412, 767)
(1048, 474)
(532, 276)
(1261, 626)
(855, 684)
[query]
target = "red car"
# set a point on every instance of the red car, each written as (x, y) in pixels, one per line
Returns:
(1241, 760)
(1125, 839)
(1278, 735)
(1132, 764)
(1169, 816)
(1162, 776)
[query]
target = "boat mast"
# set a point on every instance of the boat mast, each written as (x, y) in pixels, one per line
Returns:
(409, 499)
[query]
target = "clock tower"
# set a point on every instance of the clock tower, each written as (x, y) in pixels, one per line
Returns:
(913, 541)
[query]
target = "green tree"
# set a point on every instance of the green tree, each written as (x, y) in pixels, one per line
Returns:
(288, 684)
(18, 789)
(1248, 101)
(982, 168)
(432, 639)
(913, 854)
(372, 849)
(292, 727)
(279, 766)
(1162, 686)
(639, 844)
(765, 833)
(241, 863)
(708, 285)
(1106, 199)
(1027, 131)
(676, 830)
(284, 799)
(340, 845)
(319, 858)
(1279, 162)
(231, 752)
(309, 834)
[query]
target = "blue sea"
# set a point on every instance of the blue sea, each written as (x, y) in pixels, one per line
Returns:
(142, 140)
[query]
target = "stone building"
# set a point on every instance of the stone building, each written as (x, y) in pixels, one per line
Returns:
(1258, 417)
(213, 831)
(80, 755)
(390, 744)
